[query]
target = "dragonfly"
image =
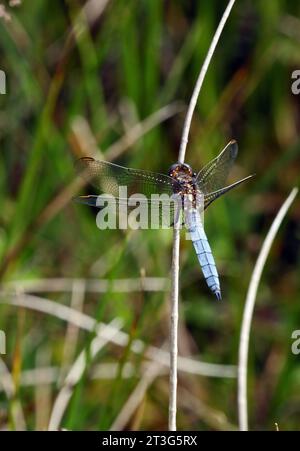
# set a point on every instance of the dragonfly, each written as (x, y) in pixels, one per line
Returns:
(182, 183)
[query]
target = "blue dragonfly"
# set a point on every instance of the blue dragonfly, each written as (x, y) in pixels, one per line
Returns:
(194, 192)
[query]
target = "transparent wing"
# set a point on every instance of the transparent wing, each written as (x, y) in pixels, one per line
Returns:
(210, 197)
(213, 176)
(107, 177)
(156, 213)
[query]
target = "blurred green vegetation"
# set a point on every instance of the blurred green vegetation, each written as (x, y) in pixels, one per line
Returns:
(78, 81)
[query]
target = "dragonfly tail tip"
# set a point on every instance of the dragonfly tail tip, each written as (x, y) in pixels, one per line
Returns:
(218, 295)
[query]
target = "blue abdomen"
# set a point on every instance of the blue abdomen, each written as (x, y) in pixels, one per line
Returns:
(196, 230)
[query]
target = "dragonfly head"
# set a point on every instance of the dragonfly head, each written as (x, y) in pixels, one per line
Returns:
(179, 170)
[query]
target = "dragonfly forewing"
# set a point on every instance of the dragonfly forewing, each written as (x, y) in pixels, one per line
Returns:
(108, 177)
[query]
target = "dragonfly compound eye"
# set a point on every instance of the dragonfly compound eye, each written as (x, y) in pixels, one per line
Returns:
(178, 168)
(173, 170)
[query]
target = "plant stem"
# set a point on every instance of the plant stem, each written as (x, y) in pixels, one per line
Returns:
(248, 311)
(176, 234)
(199, 82)
(174, 329)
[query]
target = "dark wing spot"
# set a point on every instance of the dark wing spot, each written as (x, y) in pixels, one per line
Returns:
(234, 149)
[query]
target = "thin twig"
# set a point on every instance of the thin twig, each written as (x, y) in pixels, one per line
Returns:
(91, 285)
(174, 328)
(248, 311)
(199, 83)
(46, 375)
(176, 233)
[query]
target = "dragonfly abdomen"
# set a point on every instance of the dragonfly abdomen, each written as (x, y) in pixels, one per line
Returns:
(204, 253)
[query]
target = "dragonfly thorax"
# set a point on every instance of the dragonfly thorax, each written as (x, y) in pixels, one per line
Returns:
(185, 179)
